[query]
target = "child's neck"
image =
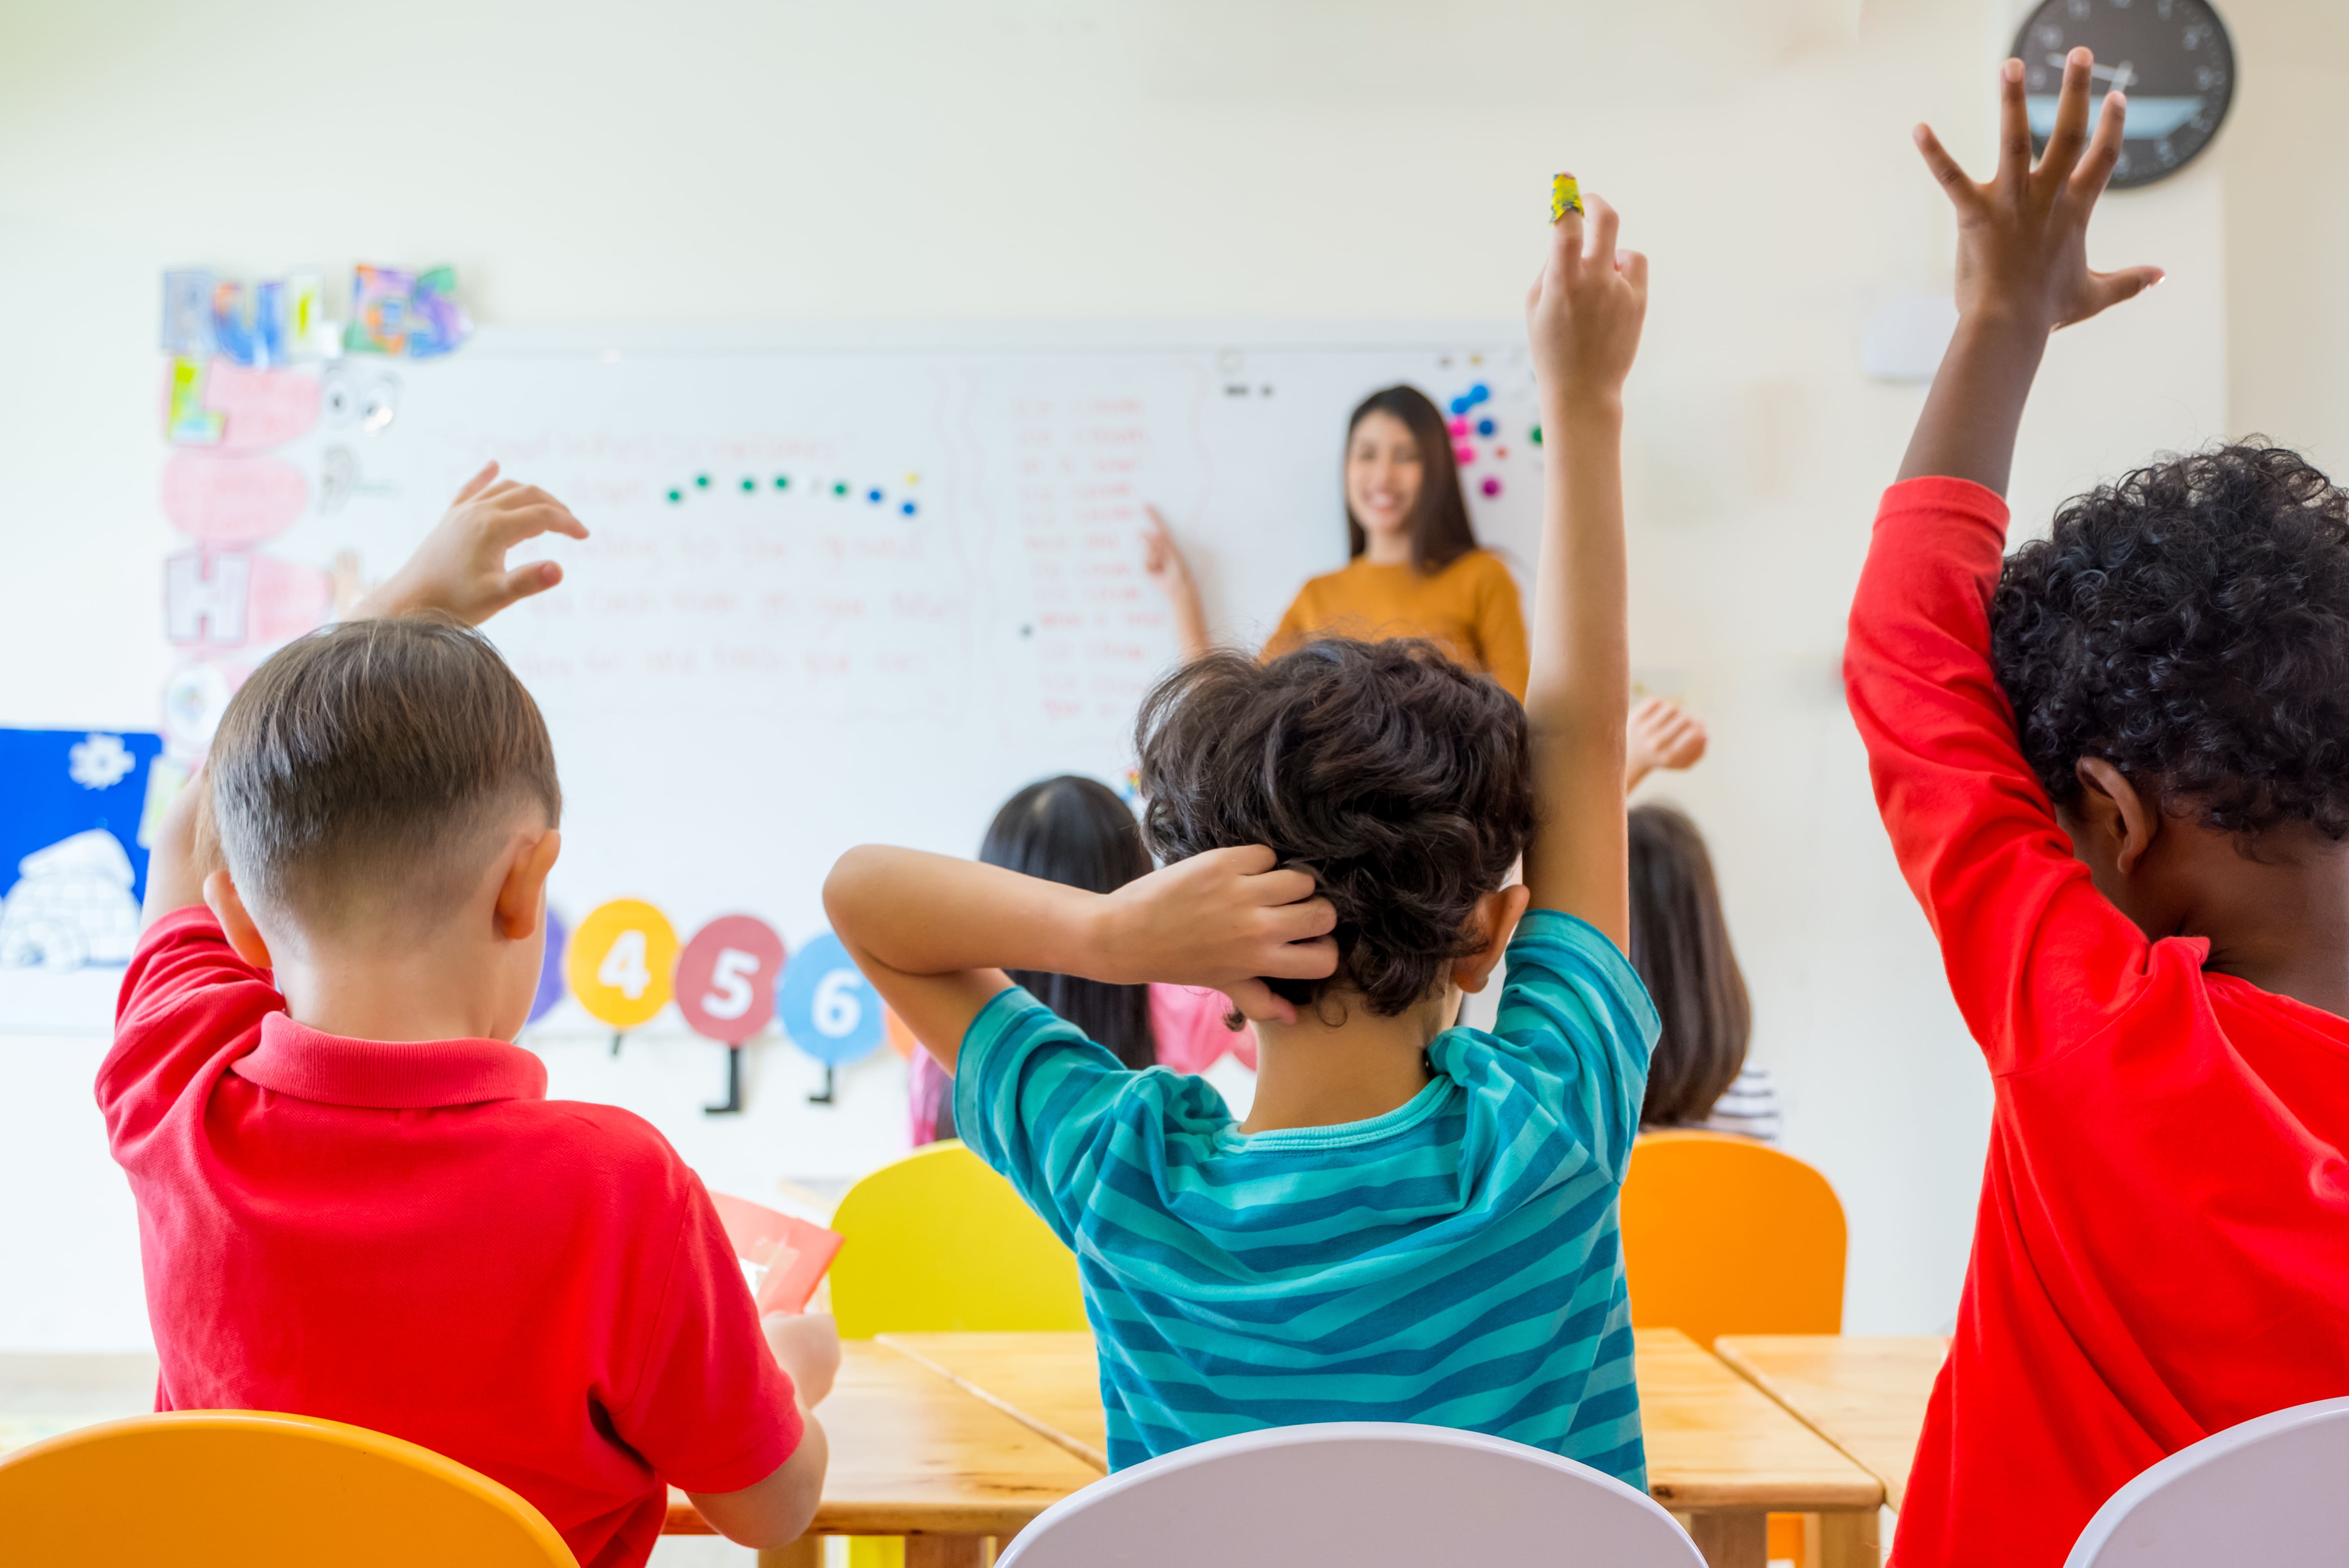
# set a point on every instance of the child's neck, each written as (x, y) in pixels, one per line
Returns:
(442, 991)
(2281, 924)
(1314, 1074)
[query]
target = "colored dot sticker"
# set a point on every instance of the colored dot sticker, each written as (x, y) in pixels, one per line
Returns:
(1484, 427)
(748, 484)
(826, 1005)
(1491, 487)
(1466, 454)
(782, 482)
(550, 969)
(1458, 427)
(1459, 405)
(912, 479)
(874, 495)
(676, 495)
(907, 509)
(1480, 393)
(726, 978)
(701, 481)
(623, 962)
(1500, 451)
(840, 487)
(1534, 435)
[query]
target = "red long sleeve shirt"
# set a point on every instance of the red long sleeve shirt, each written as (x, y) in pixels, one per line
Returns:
(2162, 1249)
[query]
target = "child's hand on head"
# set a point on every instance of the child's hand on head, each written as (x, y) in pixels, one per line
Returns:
(2023, 238)
(461, 568)
(1222, 920)
(1661, 735)
(1584, 312)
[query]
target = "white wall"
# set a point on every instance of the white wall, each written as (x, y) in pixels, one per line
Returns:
(749, 161)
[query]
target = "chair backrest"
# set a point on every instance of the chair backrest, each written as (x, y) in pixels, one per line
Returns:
(1365, 1493)
(937, 1243)
(249, 1488)
(2269, 1491)
(1724, 1235)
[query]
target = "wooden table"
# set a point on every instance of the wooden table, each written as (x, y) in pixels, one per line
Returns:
(912, 1456)
(1866, 1396)
(1720, 1454)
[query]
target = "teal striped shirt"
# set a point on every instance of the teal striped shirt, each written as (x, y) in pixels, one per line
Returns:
(1455, 1261)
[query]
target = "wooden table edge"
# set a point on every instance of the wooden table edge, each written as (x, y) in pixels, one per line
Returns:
(1761, 1379)
(1084, 1451)
(1002, 1520)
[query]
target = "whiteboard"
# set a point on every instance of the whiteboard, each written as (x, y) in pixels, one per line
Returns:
(845, 585)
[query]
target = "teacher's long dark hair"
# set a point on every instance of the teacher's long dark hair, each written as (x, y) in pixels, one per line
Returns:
(1440, 530)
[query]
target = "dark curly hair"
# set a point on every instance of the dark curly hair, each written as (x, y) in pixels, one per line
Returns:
(2190, 624)
(1402, 781)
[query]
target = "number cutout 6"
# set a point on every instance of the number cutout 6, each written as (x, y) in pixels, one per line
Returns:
(826, 1006)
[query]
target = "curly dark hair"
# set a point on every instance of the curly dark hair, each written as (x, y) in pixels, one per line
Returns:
(2190, 624)
(1402, 781)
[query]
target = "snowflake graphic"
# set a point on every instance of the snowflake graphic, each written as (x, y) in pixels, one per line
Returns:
(99, 761)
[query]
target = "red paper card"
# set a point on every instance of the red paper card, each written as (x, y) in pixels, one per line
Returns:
(782, 1258)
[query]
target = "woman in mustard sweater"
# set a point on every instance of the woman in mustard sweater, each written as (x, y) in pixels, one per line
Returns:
(1417, 569)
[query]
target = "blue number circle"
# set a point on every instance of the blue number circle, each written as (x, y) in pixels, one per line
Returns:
(826, 1005)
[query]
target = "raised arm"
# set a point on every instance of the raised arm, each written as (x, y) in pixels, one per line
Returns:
(461, 569)
(2023, 272)
(1164, 564)
(1583, 316)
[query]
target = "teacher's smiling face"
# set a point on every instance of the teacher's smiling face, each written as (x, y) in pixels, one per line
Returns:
(1385, 469)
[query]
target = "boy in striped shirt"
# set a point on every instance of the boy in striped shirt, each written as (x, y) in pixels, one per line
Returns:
(1415, 1222)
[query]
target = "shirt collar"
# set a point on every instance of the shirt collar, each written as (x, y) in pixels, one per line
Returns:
(387, 1074)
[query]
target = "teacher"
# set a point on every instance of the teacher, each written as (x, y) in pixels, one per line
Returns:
(1417, 569)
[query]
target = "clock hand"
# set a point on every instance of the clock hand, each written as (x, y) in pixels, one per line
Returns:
(2121, 75)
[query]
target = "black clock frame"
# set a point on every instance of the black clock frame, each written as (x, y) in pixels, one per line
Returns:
(2068, 15)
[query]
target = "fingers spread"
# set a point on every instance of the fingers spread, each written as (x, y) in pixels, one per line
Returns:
(2088, 179)
(474, 485)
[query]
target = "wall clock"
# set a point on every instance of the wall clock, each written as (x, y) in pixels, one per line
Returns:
(2172, 57)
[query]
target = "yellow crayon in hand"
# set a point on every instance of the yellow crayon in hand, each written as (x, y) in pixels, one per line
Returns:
(1564, 196)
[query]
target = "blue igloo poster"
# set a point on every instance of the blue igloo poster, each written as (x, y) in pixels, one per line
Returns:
(73, 869)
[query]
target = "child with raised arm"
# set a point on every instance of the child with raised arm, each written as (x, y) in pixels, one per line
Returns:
(2113, 770)
(355, 1199)
(1415, 1223)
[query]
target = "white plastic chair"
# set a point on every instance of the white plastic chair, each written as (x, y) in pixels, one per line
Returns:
(1368, 1494)
(2269, 1491)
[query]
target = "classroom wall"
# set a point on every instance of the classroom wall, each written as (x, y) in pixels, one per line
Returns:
(744, 160)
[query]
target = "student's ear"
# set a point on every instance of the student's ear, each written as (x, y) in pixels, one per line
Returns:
(2114, 807)
(1497, 915)
(227, 906)
(523, 895)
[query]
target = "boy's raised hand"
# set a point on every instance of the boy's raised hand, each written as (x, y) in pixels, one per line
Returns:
(1584, 312)
(2023, 238)
(461, 569)
(1661, 735)
(2023, 271)
(1221, 921)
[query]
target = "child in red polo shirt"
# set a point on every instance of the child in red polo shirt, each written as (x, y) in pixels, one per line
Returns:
(355, 1199)
(2115, 770)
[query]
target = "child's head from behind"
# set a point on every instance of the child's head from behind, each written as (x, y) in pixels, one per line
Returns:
(1075, 831)
(1402, 781)
(384, 787)
(1680, 945)
(2177, 652)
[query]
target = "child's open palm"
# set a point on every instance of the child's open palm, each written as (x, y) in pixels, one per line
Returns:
(2022, 237)
(1584, 312)
(461, 568)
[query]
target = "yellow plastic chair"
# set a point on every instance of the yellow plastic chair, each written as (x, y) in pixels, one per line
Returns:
(937, 1243)
(1723, 1235)
(251, 1489)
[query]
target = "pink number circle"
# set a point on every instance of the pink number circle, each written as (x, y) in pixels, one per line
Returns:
(726, 978)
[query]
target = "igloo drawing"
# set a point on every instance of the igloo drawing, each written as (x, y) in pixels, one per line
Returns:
(71, 906)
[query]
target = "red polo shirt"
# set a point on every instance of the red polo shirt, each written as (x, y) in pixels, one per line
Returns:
(412, 1238)
(2162, 1249)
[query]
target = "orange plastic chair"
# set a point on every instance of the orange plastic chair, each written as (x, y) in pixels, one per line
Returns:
(252, 1489)
(1723, 1235)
